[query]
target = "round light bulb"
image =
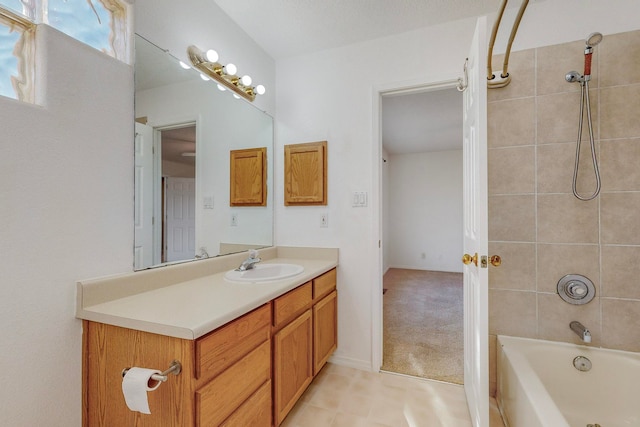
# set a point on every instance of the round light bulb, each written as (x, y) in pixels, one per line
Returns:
(236, 96)
(205, 78)
(222, 88)
(231, 69)
(183, 65)
(246, 80)
(212, 55)
(260, 90)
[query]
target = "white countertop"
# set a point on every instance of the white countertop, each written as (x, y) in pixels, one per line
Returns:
(192, 308)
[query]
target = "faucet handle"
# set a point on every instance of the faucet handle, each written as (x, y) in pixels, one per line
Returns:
(253, 253)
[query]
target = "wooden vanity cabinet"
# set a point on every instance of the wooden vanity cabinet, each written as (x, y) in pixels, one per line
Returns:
(223, 380)
(305, 325)
(249, 372)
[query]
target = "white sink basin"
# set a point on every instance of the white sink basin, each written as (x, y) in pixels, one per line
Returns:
(264, 273)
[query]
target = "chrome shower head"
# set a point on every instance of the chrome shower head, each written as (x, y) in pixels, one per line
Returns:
(593, 39)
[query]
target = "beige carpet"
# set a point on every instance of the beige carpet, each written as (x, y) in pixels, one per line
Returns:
(423, 324)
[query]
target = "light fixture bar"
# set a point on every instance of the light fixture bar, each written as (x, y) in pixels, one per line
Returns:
(216, 71)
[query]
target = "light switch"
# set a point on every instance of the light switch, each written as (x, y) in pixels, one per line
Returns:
(207, 202)
(359, 199)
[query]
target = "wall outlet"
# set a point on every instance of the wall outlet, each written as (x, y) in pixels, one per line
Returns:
(234, 219)
(324, 220)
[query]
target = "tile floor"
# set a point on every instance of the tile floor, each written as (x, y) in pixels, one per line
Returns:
(341, 396)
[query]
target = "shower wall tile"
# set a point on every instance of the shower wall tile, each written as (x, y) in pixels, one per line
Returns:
(619, 160)
(599, 239)
(555, 167)
(505, 163)
(619, 59)
(522, 72)
(558, 114)
(556, 261)
(620, 107)
(554, 62)
(512, 123)
(564, 219)
(619, 324)
(512, 218)
(621, 272)
(620, 218)
(518, 269)
(512, 313)
(555, 315)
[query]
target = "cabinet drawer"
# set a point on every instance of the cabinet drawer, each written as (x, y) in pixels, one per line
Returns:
(255, 412)
(228, 344)
(293, 302)
(219, 398)
(324, 284)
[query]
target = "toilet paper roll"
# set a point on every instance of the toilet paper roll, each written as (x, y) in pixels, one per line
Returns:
(135, 385)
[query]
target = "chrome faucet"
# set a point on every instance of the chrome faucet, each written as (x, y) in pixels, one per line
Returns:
(581, 331)
(250, 262)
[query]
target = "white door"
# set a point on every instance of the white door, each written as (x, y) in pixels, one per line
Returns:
(476, 312)
(180, 206)
(143, 210)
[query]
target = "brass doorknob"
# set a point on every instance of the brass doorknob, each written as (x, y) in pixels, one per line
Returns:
(468, 259)
(495, 260)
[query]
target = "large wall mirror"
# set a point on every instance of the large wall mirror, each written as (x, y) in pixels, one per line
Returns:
(184, 133)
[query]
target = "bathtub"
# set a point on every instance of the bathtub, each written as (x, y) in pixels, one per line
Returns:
(538, 385)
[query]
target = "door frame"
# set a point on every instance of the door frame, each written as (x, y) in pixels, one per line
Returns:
(427, 85)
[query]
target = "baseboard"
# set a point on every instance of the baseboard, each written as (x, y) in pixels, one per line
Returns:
(422, 268)
(363, 365)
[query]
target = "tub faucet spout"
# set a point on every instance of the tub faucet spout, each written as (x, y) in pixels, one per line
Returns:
(581, 331)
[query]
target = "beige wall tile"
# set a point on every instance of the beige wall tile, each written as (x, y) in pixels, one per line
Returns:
(521, 70)
(620, 59)
(620, 106)
(512, 218)
(557, 117)
(554, 62)
(621, 271)
(555, 315)
(620, 324)
(518, 269)
(555, 167)
(564, 219)
(512, 313)
(511, 122)
(511, 170)
(556, 261)
(619, 160)
(620, 218)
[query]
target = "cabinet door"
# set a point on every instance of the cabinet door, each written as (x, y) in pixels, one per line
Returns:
(305, 174)
(293, 365)
(248, 180)
(325, 330)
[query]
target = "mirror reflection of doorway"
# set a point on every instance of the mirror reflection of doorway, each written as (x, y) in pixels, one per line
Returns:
(178, 174)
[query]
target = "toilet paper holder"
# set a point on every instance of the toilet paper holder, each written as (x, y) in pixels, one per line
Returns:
(175, 368)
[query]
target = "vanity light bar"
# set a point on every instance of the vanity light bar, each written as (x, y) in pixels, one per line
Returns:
(220, 74)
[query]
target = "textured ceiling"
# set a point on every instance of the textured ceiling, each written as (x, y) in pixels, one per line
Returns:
(287, 28)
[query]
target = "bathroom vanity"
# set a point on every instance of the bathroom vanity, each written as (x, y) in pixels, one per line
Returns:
(248, 350)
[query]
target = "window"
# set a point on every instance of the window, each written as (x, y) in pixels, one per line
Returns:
(101, 24)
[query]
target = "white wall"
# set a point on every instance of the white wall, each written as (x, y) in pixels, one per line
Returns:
(386, 205)
(425, 214)
(339, 105)
(66, 174)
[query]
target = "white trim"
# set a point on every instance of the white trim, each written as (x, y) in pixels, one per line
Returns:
(429, 84)
(362, 365)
